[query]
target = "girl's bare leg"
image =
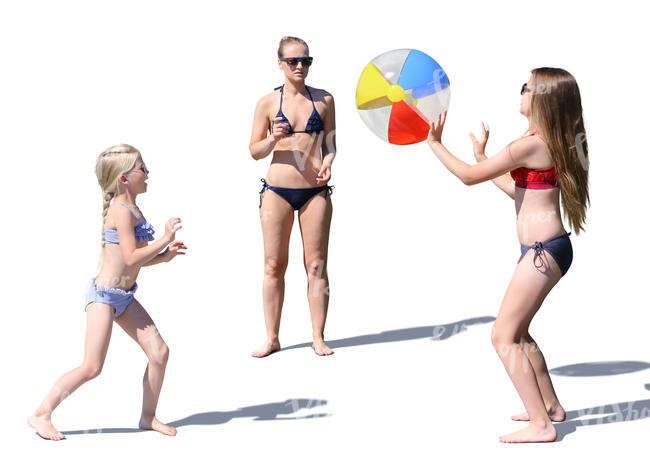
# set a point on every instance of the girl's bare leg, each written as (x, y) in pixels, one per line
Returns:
(99, 325)
(527, 289)
(555, 410)
(136, 322)
(276, 216)
(314, 218)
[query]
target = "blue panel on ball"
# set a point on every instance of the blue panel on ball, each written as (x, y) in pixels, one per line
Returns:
(422, 74)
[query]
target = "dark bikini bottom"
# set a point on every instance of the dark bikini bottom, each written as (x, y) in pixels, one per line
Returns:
(296, 197)
(559, 247)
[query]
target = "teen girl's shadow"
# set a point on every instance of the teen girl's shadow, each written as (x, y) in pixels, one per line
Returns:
(606, 413)
(434, 332)
(282, 410)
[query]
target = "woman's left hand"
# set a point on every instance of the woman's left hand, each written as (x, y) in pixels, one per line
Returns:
(175, 249)
(435, 130)
(324, 174)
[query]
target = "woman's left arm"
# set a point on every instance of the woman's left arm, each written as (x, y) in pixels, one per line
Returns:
(509, 158)
(328, 143)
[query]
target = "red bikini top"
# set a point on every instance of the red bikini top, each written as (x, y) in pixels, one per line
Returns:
(535, 178)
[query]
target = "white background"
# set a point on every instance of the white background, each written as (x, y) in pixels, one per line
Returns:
(411, 247)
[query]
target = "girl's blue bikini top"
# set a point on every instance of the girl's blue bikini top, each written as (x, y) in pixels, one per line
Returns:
(314, 124)
(143, 230)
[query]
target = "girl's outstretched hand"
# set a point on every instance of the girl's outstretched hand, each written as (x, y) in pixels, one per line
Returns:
(172, 225)
(435, 130)
(479, 145)
(175, 248)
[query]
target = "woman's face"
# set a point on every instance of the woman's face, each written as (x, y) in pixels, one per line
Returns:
(524, 106)
(299, 71)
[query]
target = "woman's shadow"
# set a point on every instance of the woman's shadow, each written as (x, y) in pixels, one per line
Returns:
(606, 413)
(434, 332)
(282, 410)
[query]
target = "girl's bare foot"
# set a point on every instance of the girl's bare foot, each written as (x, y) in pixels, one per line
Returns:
(157, 425)
(544, 433)
(267, 349)
(555, 413)
(43, 426)
(320, 348)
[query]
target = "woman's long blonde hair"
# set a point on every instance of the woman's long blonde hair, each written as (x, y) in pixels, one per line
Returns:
(113, 162)
(556, 112)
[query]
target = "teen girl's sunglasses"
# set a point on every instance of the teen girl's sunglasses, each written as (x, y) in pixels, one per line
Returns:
(305, 60)
(524, 89)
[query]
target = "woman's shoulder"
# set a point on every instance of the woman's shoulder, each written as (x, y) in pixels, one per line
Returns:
(320, 93)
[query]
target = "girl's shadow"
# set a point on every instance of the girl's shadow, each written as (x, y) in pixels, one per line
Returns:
(606, 413)
(269, 411)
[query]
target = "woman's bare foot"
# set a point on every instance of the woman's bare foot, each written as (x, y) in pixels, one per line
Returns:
(555, 413)
(43, 426)
(320, 348)
(154, 424)
(267, 349)
(544, 433)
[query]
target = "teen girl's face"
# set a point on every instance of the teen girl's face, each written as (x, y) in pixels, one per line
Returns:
(524, 106)
(298, 71)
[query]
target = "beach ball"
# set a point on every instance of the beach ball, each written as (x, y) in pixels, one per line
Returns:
(399, 92)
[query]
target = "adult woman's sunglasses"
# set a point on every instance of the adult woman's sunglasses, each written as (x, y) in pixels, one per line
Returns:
(524, 89)
(305, 60)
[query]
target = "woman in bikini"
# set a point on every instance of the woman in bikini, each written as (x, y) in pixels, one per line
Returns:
(296, 180)
(548, 164)
(121, 173)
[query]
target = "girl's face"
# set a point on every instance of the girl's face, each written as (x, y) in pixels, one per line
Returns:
(524, 106)
(295, 72)
(136, 177)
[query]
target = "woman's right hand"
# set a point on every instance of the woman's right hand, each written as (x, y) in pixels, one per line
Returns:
(279, 130)
(479, 145)
(172, 225)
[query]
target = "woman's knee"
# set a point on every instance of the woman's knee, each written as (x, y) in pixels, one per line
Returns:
(316, 268)
(274, 267)
(503, 337)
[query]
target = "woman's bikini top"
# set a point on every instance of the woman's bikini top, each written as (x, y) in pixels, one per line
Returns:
(143, 230)
(535, 178)
(314, 124)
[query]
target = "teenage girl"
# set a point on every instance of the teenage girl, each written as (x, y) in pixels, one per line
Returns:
(548, 164)
(126, 235)
(296, 123)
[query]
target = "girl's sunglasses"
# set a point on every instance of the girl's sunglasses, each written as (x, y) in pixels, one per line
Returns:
(305, 60)
(524, 89)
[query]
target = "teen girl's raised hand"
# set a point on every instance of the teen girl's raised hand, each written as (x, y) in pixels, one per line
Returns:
(479, 145)
(436, 127)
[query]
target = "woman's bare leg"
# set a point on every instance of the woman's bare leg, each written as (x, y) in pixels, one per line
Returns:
(99, 325)
(314, 218)
(136, 322)
(527, 289)
(276, 216)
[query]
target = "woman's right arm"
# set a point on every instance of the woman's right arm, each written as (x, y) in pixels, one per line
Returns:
(261, 144)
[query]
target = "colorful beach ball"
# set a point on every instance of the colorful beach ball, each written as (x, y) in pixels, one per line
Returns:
(399, 92)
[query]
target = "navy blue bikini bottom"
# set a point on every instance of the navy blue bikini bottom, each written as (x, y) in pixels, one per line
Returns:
(559, 247)
(296, 197)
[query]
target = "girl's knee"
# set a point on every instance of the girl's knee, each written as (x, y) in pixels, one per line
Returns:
(90, 370)
(159, 354)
